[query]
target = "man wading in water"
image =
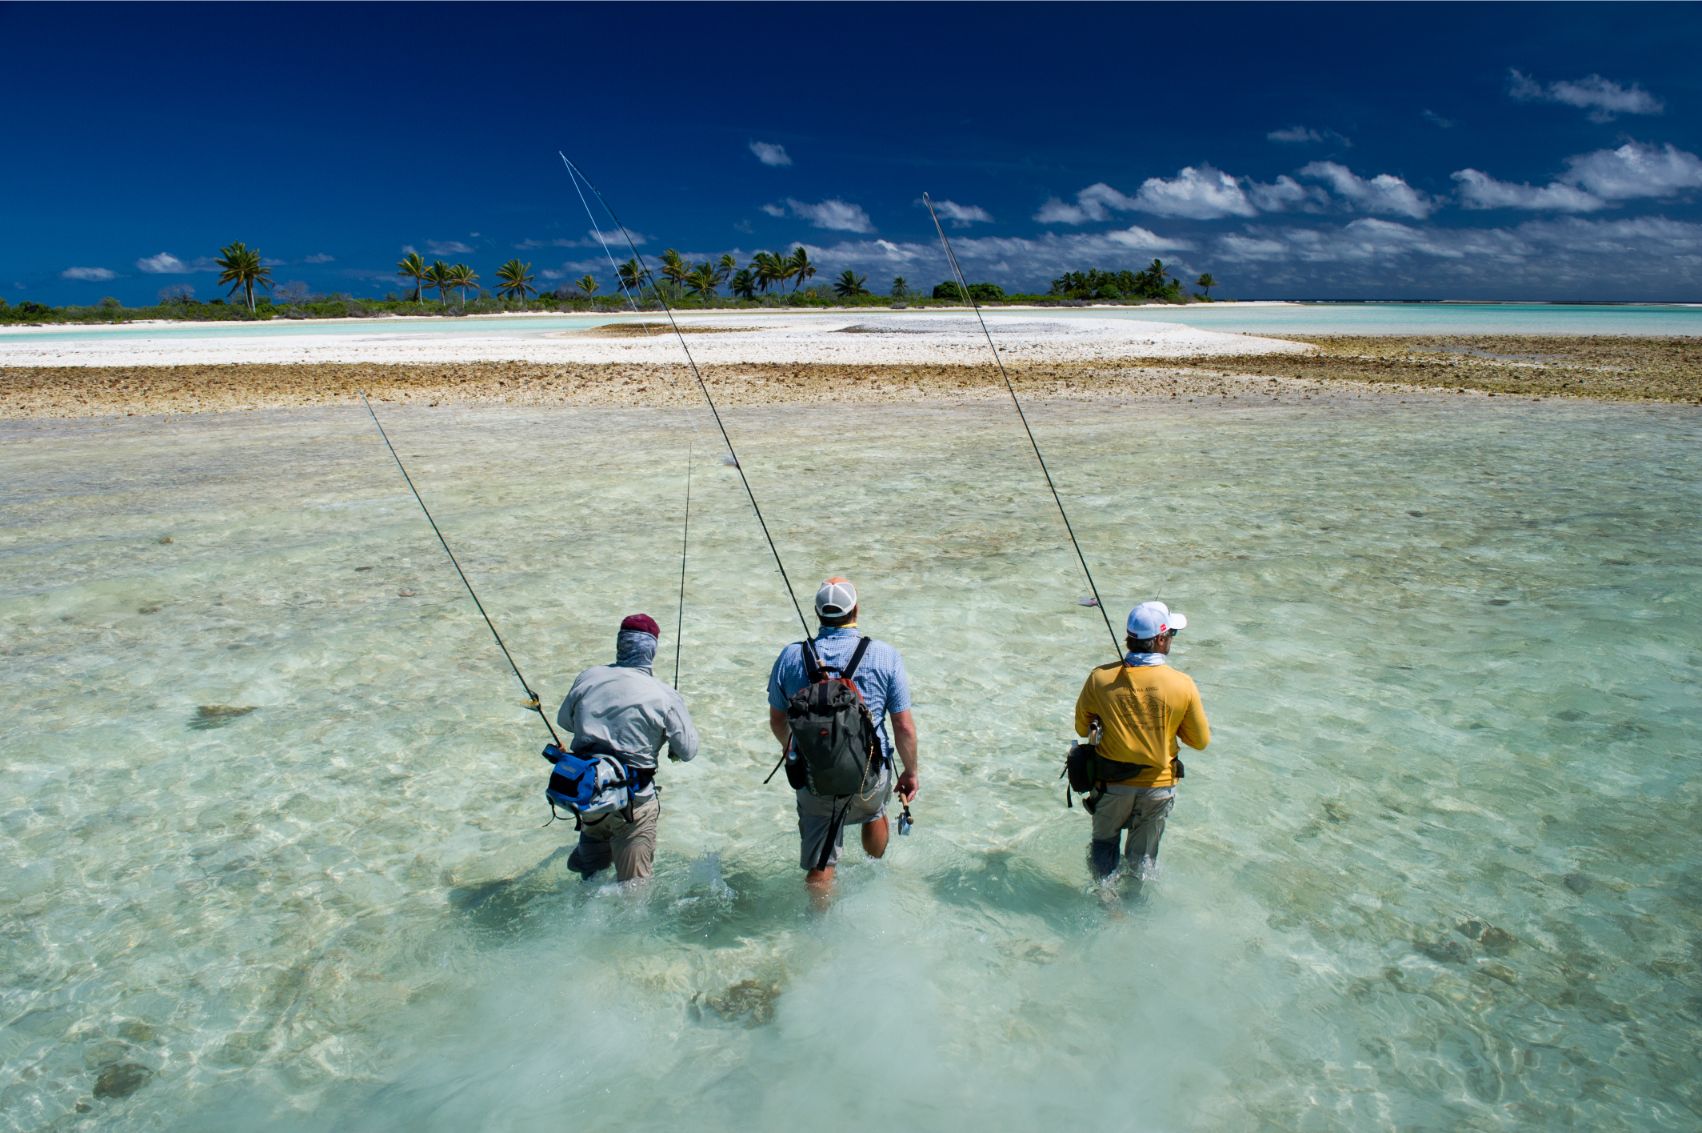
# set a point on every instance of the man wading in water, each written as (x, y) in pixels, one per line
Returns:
(624, 711)
(853, 790)
(1140, 707)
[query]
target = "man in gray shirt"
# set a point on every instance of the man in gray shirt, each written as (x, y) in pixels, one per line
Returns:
(623, 710)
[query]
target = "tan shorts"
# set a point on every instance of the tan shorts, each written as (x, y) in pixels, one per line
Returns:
(822, 821)
(629, 845)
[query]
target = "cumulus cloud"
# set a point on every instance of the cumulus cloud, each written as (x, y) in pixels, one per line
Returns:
(771, 153)
(1384, 193)
(1635, 170)
(95, 275)
(1479, 190)
(831, 213)
(162, 264)
(1604, 99)
(1592, 181)
(320, 258)
(961, 216)
(1197, 194)
(448, 247)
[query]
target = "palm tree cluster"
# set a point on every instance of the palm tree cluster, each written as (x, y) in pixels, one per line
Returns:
(516, 278)
(766, 270)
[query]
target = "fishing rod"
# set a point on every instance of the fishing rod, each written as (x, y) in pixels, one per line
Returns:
(702, 386)
(574, 175)
(531, 697)
(963, 287)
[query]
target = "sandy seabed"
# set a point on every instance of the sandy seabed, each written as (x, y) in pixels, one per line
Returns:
(852, 357)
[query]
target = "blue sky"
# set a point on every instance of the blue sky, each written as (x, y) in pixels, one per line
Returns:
(1293, 151)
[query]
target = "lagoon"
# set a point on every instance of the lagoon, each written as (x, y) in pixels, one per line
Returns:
(1436, 871)
(1642, 320)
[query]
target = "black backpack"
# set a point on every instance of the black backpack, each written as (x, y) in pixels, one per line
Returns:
(832, 731)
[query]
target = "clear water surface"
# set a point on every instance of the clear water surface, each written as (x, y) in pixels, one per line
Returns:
(1653, 320)
(1438, 870)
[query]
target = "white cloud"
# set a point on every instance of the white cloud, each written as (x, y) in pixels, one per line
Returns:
(320, 258)
(1603, 98)
(1145, 239)
(1198, 194)
(1384, 193)
(1436, 119)
(1479, 190)
(1195, 193)
(771, 153)
(613, 236)
(447, 247)
(1634, 170)
(1592, 181)
(1285, 194)
(961, 216)
(96, 275)
(831, 213)
(163, 264)
(1294, 135)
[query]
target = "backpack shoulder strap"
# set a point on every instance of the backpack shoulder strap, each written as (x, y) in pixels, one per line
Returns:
(856, 658)
(812, 666)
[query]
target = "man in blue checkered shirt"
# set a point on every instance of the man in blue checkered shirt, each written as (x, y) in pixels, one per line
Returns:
(885, 688)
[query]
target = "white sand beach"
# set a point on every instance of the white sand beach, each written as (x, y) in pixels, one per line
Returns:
(882, 338)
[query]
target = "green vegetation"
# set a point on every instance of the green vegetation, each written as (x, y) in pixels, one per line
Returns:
(762, 283)
(1152, 283)
(240, 267)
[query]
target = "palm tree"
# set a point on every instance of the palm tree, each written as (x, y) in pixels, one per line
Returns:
(516, 279)
(899, 288)
(241, 267)
(849, 285)
(588, 285)
(744, 284)
(724, 267)
(412, 267)
(461, 277)
(673, 267)
(703, 280)
(438, 276)
(800, 267)
(769, 269)
(632, 277)
(1205, 283)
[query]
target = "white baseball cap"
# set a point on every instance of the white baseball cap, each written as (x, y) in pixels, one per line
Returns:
(836, 598)
(1154, 619)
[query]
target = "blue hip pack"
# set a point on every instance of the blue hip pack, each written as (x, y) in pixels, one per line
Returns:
(592, 784)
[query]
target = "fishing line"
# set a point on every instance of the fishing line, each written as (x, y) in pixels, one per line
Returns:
(574, 175)
(531, 697)
(963, 286)
(702, 387)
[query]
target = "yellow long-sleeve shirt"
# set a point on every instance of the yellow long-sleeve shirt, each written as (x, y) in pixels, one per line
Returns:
(1143, 710)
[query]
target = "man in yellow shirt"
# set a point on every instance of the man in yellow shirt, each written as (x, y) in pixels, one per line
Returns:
(1138, 708)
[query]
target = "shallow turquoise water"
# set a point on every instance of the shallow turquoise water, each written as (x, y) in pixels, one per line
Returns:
(1437, 871)
(1301, 318)
(1646, 319)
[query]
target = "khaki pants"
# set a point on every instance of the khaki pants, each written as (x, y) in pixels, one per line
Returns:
(1141, 814)
(630, 846)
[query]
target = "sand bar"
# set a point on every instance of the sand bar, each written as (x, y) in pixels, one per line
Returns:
(853, 356)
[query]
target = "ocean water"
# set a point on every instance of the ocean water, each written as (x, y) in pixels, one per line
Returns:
(278, 855)
(1647, 319)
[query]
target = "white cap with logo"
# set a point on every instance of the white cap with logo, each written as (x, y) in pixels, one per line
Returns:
(836, 598)
(1154, 619)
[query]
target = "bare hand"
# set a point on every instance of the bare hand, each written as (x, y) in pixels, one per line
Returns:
(908, 785)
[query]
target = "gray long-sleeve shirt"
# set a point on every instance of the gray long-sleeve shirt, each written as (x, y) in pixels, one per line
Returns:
(626, 708)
